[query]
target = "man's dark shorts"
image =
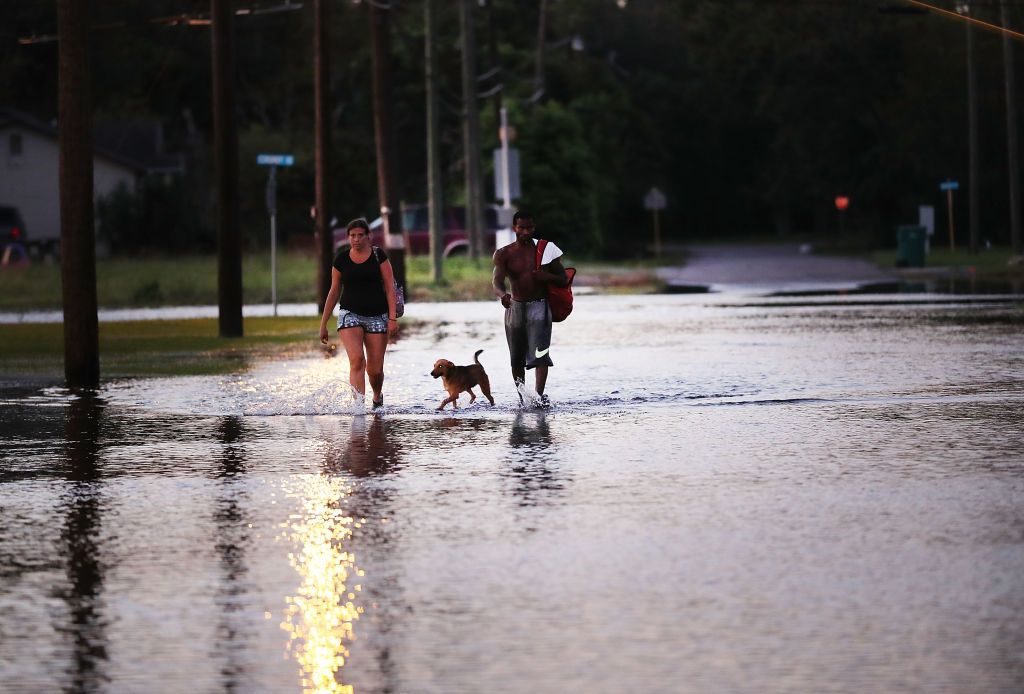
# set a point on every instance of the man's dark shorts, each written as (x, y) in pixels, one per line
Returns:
(528, 331)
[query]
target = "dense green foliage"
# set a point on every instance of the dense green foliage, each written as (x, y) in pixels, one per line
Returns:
(750, 115)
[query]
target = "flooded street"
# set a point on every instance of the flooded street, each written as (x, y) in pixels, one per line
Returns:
(728, 494)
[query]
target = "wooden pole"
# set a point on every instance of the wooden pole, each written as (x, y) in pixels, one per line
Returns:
(433, 143)
(322, 144)
(1012, 150)
(225, 148)
(471, 131)
(77, 233)
(949, 209)
(386, 140)
(657, 235)
(974, 176)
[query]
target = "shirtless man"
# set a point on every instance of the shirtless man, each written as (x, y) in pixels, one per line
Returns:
(527, 316)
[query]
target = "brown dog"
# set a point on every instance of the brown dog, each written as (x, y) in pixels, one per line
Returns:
(462, 378)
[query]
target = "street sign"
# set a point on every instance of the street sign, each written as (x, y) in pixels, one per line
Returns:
(514, 190)
(275, 159)
(949, 185)
(654, 200)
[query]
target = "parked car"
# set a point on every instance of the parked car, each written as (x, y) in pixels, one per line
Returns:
(416, 223)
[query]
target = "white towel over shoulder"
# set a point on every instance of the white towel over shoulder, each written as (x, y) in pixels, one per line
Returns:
(551, 251)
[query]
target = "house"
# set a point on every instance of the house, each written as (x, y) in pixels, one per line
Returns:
(123, 153)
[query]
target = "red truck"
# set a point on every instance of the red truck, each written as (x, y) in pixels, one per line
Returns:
(417, 227)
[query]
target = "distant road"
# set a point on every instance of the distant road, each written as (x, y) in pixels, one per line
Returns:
(771, 267)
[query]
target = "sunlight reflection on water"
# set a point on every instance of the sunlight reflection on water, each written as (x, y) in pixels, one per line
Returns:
(722, 498)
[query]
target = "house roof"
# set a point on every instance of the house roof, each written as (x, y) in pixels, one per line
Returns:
(137, 145)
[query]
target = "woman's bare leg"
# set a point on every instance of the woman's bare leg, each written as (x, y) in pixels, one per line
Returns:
(376, 344)
(352, 338)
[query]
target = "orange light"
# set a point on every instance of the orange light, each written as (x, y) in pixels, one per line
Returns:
(842, 202)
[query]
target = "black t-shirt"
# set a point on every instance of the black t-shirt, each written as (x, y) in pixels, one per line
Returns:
(362, 289)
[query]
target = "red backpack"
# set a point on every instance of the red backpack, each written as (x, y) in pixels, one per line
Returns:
(559, 298)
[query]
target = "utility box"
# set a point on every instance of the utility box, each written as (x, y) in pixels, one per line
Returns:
(910, 245)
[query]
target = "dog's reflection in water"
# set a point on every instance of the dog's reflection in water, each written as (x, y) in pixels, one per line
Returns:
(371, 447)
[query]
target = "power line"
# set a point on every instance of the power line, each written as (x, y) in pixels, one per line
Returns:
(966, 18)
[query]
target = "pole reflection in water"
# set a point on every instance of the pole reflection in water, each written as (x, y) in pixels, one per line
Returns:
(233, 536)
(82, 527)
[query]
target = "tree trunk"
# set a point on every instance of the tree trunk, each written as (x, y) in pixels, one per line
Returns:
(77, 233)
(225, 148)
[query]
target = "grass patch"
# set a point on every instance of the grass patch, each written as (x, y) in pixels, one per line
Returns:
(993, 261)
(158, 347)
(152, 282)
(192, 281)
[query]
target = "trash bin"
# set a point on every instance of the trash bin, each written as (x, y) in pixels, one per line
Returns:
(910, 243)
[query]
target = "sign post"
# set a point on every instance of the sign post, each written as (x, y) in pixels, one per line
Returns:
(506, 181)
(273, 161)
(655, 201)
(842, 202)
(949, 187)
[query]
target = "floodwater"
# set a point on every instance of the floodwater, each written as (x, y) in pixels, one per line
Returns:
(727, 496)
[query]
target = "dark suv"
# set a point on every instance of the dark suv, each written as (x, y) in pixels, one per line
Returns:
(416, 223)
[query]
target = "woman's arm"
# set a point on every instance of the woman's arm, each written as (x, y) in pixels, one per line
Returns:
(332, 301)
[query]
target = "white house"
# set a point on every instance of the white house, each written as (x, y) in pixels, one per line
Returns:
(29, 158)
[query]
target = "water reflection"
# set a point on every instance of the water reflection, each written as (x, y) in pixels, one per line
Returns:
(321, 616)
(370, 450)
(232, 538)
(83, 516)
(372, 447)
(534, 468)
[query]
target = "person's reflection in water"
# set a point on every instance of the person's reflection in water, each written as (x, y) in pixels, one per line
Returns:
(533, 463)
(371, 450)
(231, 541)
(82, 538)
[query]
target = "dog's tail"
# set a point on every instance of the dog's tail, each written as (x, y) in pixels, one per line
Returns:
(477, 355)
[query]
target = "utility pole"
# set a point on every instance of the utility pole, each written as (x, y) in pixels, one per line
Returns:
(1012, 152)
(77, 233)
(973, 177)
(471, 131)
(386, 140)
(538, 68)
(322, 145)
(225, 148)
(433, 145)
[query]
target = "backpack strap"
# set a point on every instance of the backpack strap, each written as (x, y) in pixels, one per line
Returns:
(541, 245)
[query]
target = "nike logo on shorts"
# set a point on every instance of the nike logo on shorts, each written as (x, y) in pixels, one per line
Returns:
(540, 353)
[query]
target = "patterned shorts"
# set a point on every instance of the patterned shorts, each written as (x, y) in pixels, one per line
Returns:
(370, 324)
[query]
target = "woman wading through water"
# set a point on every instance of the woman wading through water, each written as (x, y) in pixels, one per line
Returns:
(363, 278)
